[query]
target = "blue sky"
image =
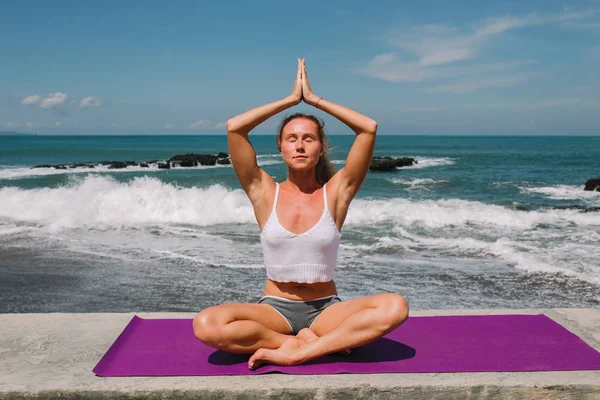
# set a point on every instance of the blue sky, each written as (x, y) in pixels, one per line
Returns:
(427, 67)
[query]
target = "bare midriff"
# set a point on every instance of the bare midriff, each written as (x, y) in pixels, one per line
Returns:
(299, 291)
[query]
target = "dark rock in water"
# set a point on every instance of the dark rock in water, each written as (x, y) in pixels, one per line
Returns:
(405, 162)
(192, 160)
(390, 164)
(382, 165)
(182, 160)
(117, 165)
(63, 166)
(122, 164)
(584, 209)
(592, 184)
(208, 160)
(179, 158)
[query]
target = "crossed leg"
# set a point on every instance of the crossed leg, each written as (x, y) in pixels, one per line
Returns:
(341, 326)
(260, 330)
(242, 328)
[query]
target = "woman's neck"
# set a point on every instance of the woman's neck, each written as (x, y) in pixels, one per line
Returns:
(304, 182)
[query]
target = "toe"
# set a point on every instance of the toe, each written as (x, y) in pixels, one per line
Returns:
(254, 361)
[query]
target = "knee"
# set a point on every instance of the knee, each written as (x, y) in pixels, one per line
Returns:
(396, 310)
(206, 327)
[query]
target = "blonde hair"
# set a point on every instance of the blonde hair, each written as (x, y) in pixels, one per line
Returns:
(324, 169)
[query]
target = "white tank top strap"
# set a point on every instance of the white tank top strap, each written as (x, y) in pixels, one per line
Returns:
(276, 197)
(325, 196)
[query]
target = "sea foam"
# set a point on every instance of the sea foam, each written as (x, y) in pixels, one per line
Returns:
(564, 192)
(146, 218)
(102, 201)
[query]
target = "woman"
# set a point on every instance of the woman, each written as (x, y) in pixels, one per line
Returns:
(300, 316)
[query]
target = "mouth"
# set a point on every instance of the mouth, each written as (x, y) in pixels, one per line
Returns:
(300, 157)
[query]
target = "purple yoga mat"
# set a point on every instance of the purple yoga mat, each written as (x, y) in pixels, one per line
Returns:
(472, 343)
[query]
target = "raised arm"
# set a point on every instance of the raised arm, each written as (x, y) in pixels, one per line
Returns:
(351, 176)
(243, 156)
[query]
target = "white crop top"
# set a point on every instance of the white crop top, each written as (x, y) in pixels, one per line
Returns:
(307, 257)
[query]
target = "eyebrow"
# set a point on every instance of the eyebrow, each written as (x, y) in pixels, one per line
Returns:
(303, 133)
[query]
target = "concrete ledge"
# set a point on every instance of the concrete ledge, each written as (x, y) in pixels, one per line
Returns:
(48, 356)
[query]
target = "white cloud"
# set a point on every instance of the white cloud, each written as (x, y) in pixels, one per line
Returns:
(168, 126)
(89, 102)
(410, 72)
(498, 25)
(202, 123)
(471, 85)
(541, 104)
(382, 59)
(12, 125)
(32, 124)
(445, 56)
(33, 99)
(221, 125)
(435, 50)
(53, 100)
(58, 124)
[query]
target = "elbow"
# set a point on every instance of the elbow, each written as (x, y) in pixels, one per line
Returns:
(230, 125)
(373, 127)
(236, 127)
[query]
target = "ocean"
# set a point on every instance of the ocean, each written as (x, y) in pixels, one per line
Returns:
(479, 222)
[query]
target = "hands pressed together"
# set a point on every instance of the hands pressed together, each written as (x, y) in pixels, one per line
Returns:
(302, 90)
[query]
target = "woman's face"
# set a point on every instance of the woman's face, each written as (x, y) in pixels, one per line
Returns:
(300, 144)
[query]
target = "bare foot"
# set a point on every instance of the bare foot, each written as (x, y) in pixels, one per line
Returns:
(306, 335)
(284, 355)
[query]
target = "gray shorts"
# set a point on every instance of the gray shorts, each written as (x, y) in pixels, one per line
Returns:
(299, 314)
